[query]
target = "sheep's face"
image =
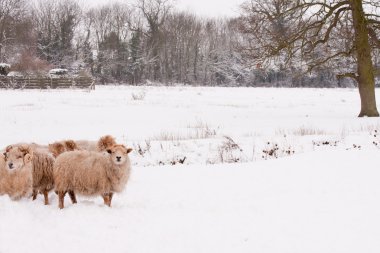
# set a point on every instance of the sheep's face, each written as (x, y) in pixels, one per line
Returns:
(17, 157)
(119, 154)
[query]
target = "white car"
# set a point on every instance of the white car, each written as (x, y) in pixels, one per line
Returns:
(15, 74)
(58, 73)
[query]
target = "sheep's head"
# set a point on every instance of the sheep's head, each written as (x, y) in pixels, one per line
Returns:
(119, 154)
(17, 157)
(57, 148)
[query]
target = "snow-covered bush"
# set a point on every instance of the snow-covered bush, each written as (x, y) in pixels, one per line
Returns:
(138, 95)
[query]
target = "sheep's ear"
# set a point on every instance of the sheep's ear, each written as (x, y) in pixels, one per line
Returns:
(8, 148)
(27, 158)
(109, 151)
(129, 150)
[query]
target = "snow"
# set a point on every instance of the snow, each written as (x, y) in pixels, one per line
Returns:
(15, 74)
(180, 122)
(4, 65)
(58, 71)
(322, 198)
(323, 202)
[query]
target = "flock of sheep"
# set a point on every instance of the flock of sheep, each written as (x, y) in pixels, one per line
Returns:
(74, 167)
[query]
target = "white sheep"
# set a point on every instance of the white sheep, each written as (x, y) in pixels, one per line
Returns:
(92, 173)
(16, 176)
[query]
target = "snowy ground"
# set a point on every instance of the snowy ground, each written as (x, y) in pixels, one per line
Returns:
(320, 195)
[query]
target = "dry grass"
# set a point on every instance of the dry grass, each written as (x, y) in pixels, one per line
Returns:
(229, 151)
(197, 130)
(367, 128)
(301, 131)
(201, 133)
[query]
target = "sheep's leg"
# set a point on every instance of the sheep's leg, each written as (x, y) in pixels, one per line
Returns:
(46, 197)
(111, 195)
(106, 198)
(61, 196)
(34, 195)
(73, 197)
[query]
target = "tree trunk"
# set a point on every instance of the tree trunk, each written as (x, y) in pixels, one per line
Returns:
(366, 78)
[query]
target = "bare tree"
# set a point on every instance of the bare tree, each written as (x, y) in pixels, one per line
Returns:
(317, 33)
(55, 24)
(110, 25)
(155, 12)
(11, 13)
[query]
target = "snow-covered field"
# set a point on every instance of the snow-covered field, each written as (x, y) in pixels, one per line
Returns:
(231, 195)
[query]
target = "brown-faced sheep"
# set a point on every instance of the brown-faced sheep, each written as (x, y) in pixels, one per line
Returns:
(92, 173)
(16, 177)
(101, 145)
(41, 167)
(60, 147)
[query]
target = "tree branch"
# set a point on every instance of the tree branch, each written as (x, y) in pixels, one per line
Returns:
(348, 75)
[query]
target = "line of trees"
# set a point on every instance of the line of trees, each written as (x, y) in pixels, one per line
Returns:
(150, 41)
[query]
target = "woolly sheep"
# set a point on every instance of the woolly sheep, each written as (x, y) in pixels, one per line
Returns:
(43, 181)
(92, 173)
(41, 168)
(2, 172)
(33, 146)
(60, 147)
(101, 145)
(16, 177)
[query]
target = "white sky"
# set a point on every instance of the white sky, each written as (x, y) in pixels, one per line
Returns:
(208, 8)
(211, 8)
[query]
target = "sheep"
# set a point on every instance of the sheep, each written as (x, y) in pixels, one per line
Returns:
(33, 146)
(43, 181)
(101, 145)
(41, 169)
(16, 167)
(92, 173)
(38, 147)
(105, 143)
(60, 147)
(2, 172)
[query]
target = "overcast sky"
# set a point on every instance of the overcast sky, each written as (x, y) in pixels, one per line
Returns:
(209, 8)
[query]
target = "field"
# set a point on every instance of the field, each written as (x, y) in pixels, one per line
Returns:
(255, 170)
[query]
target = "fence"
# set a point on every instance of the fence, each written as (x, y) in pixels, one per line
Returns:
(46, 83)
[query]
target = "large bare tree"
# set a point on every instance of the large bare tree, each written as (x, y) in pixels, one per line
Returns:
(314, 33)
